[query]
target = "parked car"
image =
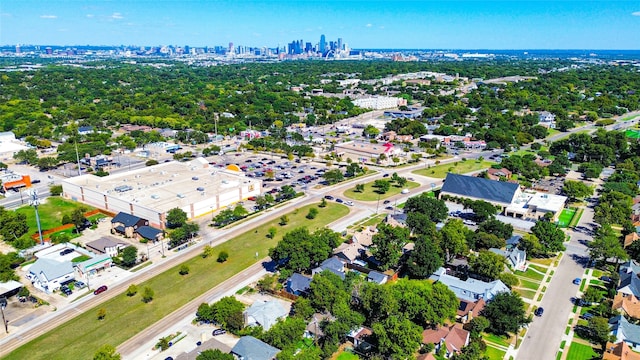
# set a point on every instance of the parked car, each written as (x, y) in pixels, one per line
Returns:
(340, 201)
(539, 311)
(350, 203)
(79, 284)
(101, 289)
(386, 202)
(605, 278)
(587, 316)
(405, 191)
(65, 252)
(385, 175)
(577, 281)
(217, 332)
(251, 198)
(328, 197)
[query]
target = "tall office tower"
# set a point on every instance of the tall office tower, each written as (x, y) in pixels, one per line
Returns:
(332, 45)
(187, 49)
(231, 49)
(18, 50)
(340, 44)
(308, 47)
(323, 44)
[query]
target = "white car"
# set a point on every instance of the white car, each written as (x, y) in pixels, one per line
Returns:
(350, 203)
(405, 191)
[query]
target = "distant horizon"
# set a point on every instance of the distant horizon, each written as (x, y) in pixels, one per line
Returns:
(370, 24)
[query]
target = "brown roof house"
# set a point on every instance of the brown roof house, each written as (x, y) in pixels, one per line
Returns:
(468, 309)
(496, 174)
(628, 305)
(454, 338)
(619, 351)
(630, 239)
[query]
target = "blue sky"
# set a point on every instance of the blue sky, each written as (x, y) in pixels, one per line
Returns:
(405, 24)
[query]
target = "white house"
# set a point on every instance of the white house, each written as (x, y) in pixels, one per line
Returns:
(48, 274)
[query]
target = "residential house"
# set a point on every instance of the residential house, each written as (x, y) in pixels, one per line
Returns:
(427, 356)
(250, 348)
(630, 239)
(497, 174)
(332, 264)
(105, 246)
(393, 136)
(624, 331)
(396, 220)
(127, 224)
(628, 305)
(313, 329)
(513, 241)
(470, 289)
(619, 351)
(49, 274)
(516, 258)
(364, 237)
(454, 338)
(629, 281)
(85, 130)
(547, 119)
(377, 277)
(298, 284)
(349, 253)
(149, 233)
(467, 309)
(635, 212)
(264, 313)
(359, 337)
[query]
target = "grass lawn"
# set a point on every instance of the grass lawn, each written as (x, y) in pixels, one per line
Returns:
(459, 167)
(494, 354)
(542, 261)
(531, 274)
(581, 352)
(565, 217)
(369, 193)
(126, 316)
(527, 284)
(529, 294)
(347, 356)
(500, 340)
(50, 212)
(576, 217)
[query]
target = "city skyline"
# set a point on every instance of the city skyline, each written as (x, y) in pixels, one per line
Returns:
(363, 24)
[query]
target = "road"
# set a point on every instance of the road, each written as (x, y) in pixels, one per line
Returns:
(545, 333)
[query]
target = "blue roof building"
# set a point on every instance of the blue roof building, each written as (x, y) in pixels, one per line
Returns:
(250, 348)
(498, 193)
(623, 330)
(298, 284)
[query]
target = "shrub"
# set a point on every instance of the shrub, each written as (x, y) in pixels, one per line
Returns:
(151, 162)
(102, 313)
(271, 233)
(313, 212)
(223, 256)
(184, 269)
(147, 295)
(132, 290)
(208, 251)
(284, 220)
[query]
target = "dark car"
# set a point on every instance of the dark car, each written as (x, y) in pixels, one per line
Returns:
(217, 332)
(539, 311)
(385, 175)
(101, 289)
(339, 201)
(587, 316)
(65, 252)
(328, 197)
(386, 202)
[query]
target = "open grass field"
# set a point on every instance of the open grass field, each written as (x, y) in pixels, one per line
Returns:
(126, 316)
(459, 167)
(525, 293)
(50, 212)
(632, 134)
(565, 217)
(579, 351)
(369, 193)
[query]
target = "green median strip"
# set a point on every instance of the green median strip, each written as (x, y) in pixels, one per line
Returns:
(81, 336)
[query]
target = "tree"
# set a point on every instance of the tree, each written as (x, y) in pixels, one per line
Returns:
(299, 250)
(12, 224)
(284, 220)
(271, 232)
(132, 290)
(550, 236)
(483, 210)
(576, 189)
(147, 294)
(239, 212)
(388, 243)
(184, 269)
(435, 209)
(477, 325)
(222, 256)
(77, 219)
(598, 330)
(453, 239)
(214, 354)
(129, 256)
(285, 332)
(225, 310)
(102, 313)
(323, 203)
(370, 131)
(382, 186)
(106, 352)
(506, 313)
(333, 176)
(487, 264)
(397, 338)
(481, 240)
(425, 258)
(55, 190)
(313, 212)
(207, 251)
(592, 295)
(359, 188)
(606, 245)
(402, 181)
(176, 218)
(497, 228)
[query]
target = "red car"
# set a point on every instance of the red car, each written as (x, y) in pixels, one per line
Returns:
(251, 198)
(101, 289)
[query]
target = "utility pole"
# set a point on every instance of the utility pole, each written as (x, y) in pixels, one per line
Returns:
(3, 305)
(35, 202)
(77, 159)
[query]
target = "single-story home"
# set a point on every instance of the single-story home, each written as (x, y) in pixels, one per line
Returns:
(298, 284)
(625, 331)
(48, 274)
(332, 264)
(149, 233)
(250, 348)
(105, 246)
(619, 351)
(264, 313)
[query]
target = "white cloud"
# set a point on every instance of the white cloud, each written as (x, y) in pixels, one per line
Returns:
(90, 16)
(48, 16)
(369, 25)
(117, 16)
(637, 13)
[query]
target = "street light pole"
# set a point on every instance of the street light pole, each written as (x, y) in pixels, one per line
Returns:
(34, 201)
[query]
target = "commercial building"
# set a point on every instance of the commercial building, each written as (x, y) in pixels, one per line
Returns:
(368, 152)
(379, 102)
(149, 193)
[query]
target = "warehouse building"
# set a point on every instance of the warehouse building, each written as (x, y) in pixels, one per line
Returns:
(149, 193)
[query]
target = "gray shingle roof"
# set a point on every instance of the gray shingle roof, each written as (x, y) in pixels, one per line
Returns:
(479, 188)
(624, 329)
(48, 269)
(332, 264)
(470, 289)
(250, 348)
(298, 283)
(266, 313)
(376, 277)
(126, 219)
(101, 244)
